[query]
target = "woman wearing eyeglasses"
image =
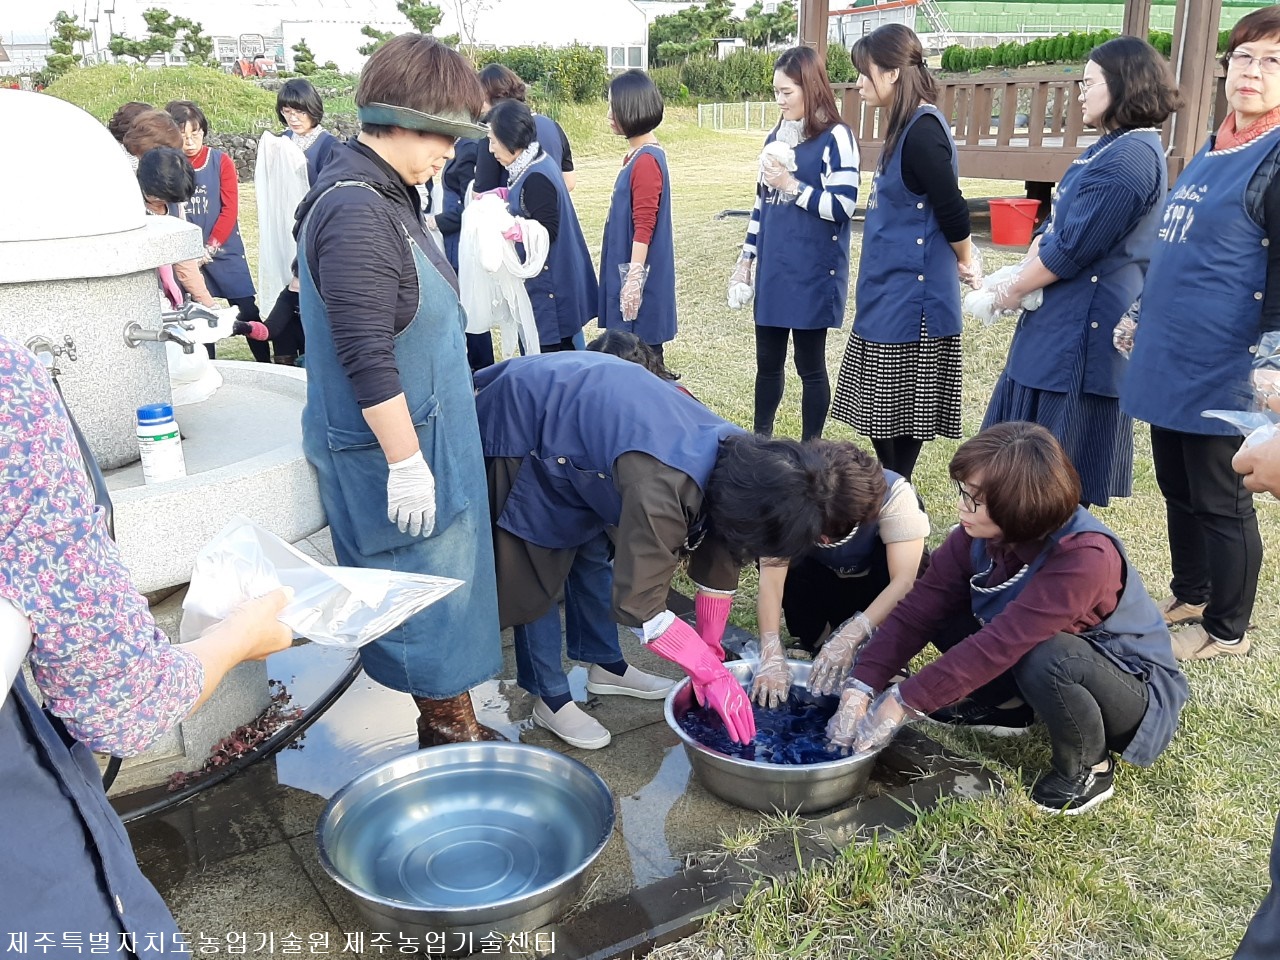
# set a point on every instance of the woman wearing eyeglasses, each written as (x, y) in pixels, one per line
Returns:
(1212, 291)
(1038, 614)
(1063, 371)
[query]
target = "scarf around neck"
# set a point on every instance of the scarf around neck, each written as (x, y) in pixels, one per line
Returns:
(1229, 136)
(521, 163)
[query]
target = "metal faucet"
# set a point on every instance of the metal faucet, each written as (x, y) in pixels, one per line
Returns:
(187, 315)
(171, 332)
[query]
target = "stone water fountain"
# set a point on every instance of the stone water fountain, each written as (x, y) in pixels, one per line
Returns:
(78, 258)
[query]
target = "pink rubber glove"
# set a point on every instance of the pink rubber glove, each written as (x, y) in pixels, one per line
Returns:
(499, 192)
(513, 232)
(711, 613)
(714, 685)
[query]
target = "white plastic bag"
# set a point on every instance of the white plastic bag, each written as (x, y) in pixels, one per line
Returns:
(280, 175)
(15, 642)
(491, 275)
(339, 606)
(981, 303)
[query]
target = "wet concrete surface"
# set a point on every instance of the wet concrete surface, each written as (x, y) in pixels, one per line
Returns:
(240, 857)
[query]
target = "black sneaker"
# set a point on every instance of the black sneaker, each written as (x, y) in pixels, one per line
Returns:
(997, 721)
(1054, 793)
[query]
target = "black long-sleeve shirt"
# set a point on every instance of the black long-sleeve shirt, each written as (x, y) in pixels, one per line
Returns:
(362, 266)
(926, 169)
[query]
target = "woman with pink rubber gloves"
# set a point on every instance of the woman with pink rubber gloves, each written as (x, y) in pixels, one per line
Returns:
(602, 480)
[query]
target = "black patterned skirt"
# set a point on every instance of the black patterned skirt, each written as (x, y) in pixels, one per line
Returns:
(888, 390)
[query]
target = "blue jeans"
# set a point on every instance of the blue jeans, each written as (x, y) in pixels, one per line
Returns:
(590, 634)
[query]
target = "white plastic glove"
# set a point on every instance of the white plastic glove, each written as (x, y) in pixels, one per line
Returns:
(634, 276)
(742, 286)
(836, 656)
(855, 700)
(775, 173)
(886, 717)
(1122, 336)
(971, 270)
(989, 303)
(772, 681)
(411, 496)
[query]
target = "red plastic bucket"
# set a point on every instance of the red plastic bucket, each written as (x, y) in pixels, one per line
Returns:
(1012, 220)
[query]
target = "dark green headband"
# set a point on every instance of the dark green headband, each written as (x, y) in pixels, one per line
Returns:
(390, 115)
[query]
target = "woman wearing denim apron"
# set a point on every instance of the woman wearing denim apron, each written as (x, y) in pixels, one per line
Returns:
(1037, 613)
(1063, 371)
(795, 261)
(1212, 291)
(899, 382)
(390, 422)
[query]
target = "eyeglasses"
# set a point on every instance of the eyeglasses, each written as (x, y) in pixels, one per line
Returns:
(1239, 60)
(967, 499)
(1087, 85)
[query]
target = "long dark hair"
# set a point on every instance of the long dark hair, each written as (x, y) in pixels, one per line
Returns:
(809, 73)
(895, 46)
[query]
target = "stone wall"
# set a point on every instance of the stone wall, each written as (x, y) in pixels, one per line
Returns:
(243, 147)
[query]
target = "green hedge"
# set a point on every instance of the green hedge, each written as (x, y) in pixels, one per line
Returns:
(1064, 48)
(577, 74)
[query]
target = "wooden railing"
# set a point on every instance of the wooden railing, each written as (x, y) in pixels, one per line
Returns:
(1035, 139)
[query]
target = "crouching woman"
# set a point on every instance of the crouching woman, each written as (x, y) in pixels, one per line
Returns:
(1038, 613)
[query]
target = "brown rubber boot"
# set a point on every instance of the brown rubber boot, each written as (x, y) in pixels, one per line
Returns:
(450, 721)
(285, 359)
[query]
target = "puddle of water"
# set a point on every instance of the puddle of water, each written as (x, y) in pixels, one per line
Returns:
(644, 818)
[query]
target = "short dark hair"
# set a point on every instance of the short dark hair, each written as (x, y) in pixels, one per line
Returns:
(184, 112)
(298, 94)
(122, 118)
(151, 129)
(1142, 90)
(635, 102)
(627, 346)
(500, 82)
(807, 70)
(779, 498)
(165, 173)
(1024, 477)
(1262, 24)
(417, 71)
(512, 123)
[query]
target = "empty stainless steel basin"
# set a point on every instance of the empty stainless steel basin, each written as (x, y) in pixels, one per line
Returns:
(466, 839)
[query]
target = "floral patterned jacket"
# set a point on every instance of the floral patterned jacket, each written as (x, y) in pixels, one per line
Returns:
(97, 656)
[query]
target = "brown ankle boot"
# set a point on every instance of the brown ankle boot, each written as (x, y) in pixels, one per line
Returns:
(285, 359)
(450, 721)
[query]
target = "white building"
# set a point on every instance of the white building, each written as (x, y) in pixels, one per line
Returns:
(332, 27)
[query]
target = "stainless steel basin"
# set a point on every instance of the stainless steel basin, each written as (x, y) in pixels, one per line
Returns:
(768, 786)
(466, 840)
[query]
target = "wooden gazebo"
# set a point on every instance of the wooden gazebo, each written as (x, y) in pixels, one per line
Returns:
(1054, 135)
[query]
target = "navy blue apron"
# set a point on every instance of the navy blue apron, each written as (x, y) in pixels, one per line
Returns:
(854, 555)
(67, 867)
(548, 134)
(569, 416)
(227, 274)
(455, 193)
(802, 261)
(656, 321)
(453, 644)
(565, 294)
(1134, 637)
(1078, 315)
(1262, 939)
(908, 269)
(1202, 302)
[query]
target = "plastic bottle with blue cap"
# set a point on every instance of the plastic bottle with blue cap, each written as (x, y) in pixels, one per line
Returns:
(160, 444)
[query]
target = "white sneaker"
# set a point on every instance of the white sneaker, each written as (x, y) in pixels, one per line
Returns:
(571, 725)
(633, 683)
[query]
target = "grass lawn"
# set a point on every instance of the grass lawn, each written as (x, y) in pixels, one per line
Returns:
(1173, 866)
